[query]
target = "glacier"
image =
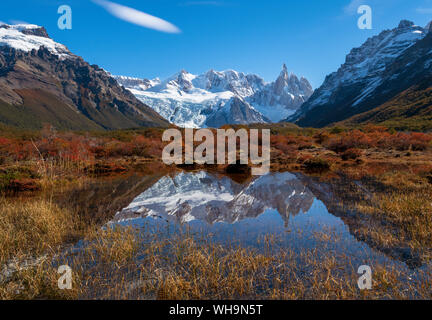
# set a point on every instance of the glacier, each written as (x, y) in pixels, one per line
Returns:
(216, 98)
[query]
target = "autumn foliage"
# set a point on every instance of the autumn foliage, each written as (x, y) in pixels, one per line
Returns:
(84, 148)
(347, 144)
(74, 147)
(357, 139)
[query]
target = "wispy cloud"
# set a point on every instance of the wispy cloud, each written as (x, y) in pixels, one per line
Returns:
(424, 10)
(352, 7)
(203, 3)
(18, 22)
(137, 17)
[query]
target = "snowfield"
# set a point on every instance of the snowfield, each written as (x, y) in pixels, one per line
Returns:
(19, 37)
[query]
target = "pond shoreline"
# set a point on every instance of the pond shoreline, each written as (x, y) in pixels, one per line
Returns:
(380, 192)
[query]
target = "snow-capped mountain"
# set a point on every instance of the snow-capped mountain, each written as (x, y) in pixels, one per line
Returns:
(216, 98)
(28, 37)
(361, 83)
(206, 197)
(41, 81)
(142, 84)
(235, 110)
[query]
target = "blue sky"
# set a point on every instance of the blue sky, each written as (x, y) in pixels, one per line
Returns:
(311, 37)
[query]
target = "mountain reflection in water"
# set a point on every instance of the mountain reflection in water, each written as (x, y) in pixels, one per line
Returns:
(281, 205)
(203, 196)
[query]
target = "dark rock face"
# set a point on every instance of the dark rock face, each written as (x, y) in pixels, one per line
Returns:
(236, 111)
(429, 27)
(405, 24)
(287, 90)
(66, 92)
(184, 84)
(40, 32)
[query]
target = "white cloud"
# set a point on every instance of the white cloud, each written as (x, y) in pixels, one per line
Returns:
(352, 7)
(18, 22)
(424, 10)
(137, 17)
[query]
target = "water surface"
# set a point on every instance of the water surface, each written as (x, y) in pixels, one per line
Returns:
(280, 206)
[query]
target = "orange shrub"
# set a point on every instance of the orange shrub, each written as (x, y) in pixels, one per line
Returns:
(416, 141)
(350, 140)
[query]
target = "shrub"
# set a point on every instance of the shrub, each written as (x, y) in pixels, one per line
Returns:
(405, 141)
(18, 179)
(321, 137)
(316, 165)
(350, 140)
(288, 144)
(282, 144)
(351, 154)
(419, 141)
(336, 130)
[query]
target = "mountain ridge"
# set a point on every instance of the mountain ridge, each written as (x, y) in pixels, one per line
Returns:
(190, 100)
(369, 77)
(41, 81)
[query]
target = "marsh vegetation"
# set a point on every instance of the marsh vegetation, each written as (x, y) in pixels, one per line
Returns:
(336, 199)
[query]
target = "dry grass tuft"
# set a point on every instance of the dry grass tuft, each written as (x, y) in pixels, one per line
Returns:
(113, 245)
(33, 227)
(38, 282)
(183, 268)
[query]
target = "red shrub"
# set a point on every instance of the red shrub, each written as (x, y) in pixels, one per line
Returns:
(407, 141)
(67, 147)
(287, 145)
(350, 140)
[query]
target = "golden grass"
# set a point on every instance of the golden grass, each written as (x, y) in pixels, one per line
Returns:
(112, 245)
(120, 263)
(38, 282)
(183, 268)
(127, 263)
(404, 206)
(33, 226)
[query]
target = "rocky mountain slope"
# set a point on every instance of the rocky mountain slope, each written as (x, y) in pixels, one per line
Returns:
(41, 81)
(379, 71)
(217, 98)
